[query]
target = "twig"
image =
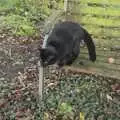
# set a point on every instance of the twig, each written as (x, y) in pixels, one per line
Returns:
(10, 52)
(40, 70)
(20, 78)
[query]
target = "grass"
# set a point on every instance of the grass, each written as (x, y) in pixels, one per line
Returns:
(18, 25)
(24, 17)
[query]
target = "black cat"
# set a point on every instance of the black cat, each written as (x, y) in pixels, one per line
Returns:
(63, 44)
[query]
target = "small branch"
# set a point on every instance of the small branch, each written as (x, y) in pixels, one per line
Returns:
(20, 78)
(40, 70)
(10, 52)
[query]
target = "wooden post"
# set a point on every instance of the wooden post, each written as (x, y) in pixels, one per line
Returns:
(69, 8)
(65, 5)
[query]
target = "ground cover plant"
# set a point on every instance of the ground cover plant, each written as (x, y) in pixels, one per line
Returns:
(72, 97)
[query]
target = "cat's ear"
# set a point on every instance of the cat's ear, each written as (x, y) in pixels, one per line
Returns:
(42, 50)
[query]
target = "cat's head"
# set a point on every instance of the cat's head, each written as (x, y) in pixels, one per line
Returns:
(48, 56)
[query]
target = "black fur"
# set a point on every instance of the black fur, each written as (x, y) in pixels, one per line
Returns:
(63, 44)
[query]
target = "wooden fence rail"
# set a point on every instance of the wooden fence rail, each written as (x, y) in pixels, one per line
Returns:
(102, 20)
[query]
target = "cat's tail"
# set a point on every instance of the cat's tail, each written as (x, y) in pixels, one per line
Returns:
(91, 46)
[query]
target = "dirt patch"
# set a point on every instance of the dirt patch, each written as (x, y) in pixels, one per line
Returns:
(68, 95)
(18, 76)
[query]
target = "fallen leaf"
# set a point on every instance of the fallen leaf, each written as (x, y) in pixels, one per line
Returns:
(82, 117)
(111, 60)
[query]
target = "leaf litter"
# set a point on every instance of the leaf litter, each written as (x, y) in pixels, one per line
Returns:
(67, 95)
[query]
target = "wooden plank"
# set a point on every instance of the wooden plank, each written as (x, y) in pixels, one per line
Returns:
(105, 42)
(94, 4)
(100, 26)
(105, 2)
(99, 21)
(95, 26)
(109, 2)
(79, 70)
(103, 31)
(99, 68)
(102, 59)
(115, 32)
(98, 64)
(102, 52)
(96, 15)
(99, 10)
